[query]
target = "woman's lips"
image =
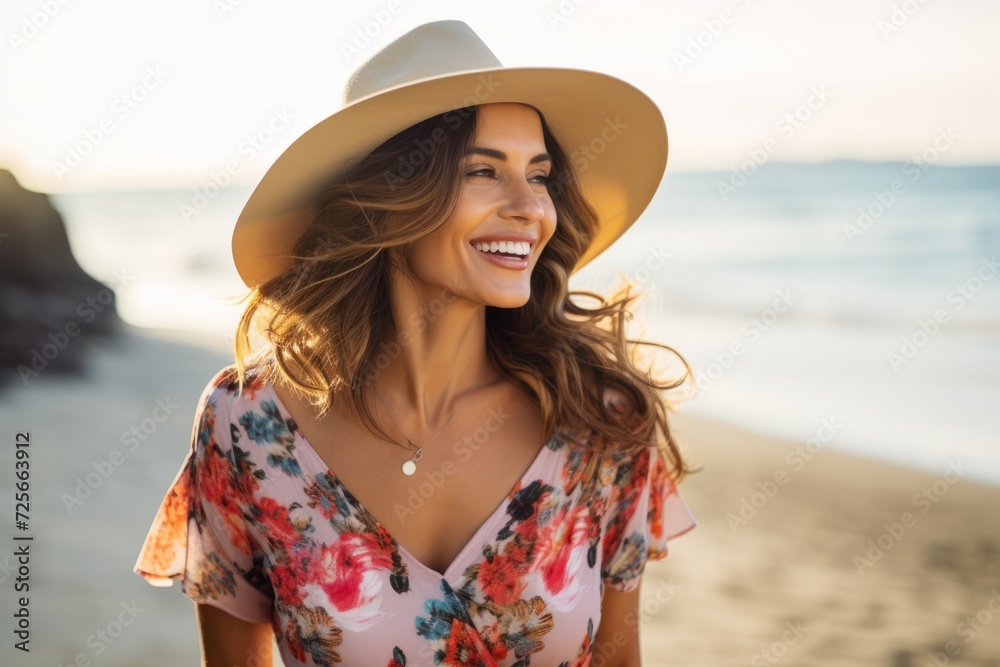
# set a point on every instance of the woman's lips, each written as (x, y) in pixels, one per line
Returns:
(515, 263)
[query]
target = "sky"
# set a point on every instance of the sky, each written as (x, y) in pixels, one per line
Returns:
(115, 94)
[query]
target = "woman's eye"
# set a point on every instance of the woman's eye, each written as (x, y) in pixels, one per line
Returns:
(485, 170)
(490, 172)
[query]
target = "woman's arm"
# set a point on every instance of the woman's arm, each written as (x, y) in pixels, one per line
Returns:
(617, 640)
(227, 641)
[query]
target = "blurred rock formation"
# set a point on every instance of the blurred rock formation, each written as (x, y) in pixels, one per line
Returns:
(50, 309)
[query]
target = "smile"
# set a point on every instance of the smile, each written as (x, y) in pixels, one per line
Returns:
(512, 248)
(508, 254)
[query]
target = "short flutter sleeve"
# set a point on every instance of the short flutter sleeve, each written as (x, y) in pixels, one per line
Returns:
(644, 511)
(199, 535)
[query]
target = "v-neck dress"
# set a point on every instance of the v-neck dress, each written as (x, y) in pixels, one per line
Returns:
(256, 524)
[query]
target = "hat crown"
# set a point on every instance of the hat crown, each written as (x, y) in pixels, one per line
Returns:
(429, 50)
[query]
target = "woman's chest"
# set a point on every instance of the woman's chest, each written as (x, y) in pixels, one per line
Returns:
(529, 585)
(459, 482)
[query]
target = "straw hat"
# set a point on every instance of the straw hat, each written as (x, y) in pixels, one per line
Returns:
(614, 134)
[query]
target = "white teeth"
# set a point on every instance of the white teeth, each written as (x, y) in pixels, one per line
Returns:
(514, 247)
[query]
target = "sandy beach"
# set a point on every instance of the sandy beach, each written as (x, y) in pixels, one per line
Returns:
(810, 558)
(827, 572)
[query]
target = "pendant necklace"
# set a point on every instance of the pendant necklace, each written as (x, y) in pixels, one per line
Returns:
(410, 467)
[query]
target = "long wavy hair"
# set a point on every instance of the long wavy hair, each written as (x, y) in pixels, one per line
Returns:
(327, 315)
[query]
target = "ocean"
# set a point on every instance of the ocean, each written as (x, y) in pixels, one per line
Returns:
(847, 305)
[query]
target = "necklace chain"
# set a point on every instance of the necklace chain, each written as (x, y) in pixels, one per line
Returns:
(410, 467)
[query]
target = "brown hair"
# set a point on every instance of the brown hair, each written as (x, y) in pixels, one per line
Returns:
(327, 314)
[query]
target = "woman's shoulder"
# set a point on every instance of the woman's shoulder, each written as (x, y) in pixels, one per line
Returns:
(229, 384)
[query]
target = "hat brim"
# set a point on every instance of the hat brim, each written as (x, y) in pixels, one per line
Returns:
(614, 134)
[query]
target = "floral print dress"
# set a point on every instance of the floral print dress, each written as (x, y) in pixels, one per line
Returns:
(254, 523)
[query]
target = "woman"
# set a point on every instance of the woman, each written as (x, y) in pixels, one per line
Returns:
(499, 479)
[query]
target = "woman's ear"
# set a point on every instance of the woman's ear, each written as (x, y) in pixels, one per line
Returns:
(618, 403)
(615, 400)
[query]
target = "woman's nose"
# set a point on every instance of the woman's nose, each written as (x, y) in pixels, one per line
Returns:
(523, 200)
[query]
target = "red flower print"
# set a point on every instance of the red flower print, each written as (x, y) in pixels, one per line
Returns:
(275, 523)
(562, 556)
(500, 579)
(290, 576)
(493, 636)
(213, 472)
(349, 575)
(660, 480)
(465, 648)
(253, 381)
(167, 537)
(293, 640)
(626, 498)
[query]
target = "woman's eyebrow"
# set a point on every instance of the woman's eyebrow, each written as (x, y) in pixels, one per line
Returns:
(500, 155)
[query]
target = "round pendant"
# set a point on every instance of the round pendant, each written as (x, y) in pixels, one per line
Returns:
(409, 468)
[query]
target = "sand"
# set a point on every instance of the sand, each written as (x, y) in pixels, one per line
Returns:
(782, 587)
(838, 566)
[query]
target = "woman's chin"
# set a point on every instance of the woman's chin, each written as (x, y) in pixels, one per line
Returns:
(510, 300)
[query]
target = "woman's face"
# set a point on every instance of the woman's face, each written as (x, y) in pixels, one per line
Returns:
(503, 198)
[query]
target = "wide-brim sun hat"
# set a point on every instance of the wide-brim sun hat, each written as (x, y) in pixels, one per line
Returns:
(614, 134)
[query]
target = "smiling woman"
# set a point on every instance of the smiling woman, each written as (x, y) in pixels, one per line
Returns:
(412, 278)
(509, 249)
(502, 198)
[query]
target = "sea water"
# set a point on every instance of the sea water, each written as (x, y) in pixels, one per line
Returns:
(847, 305)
